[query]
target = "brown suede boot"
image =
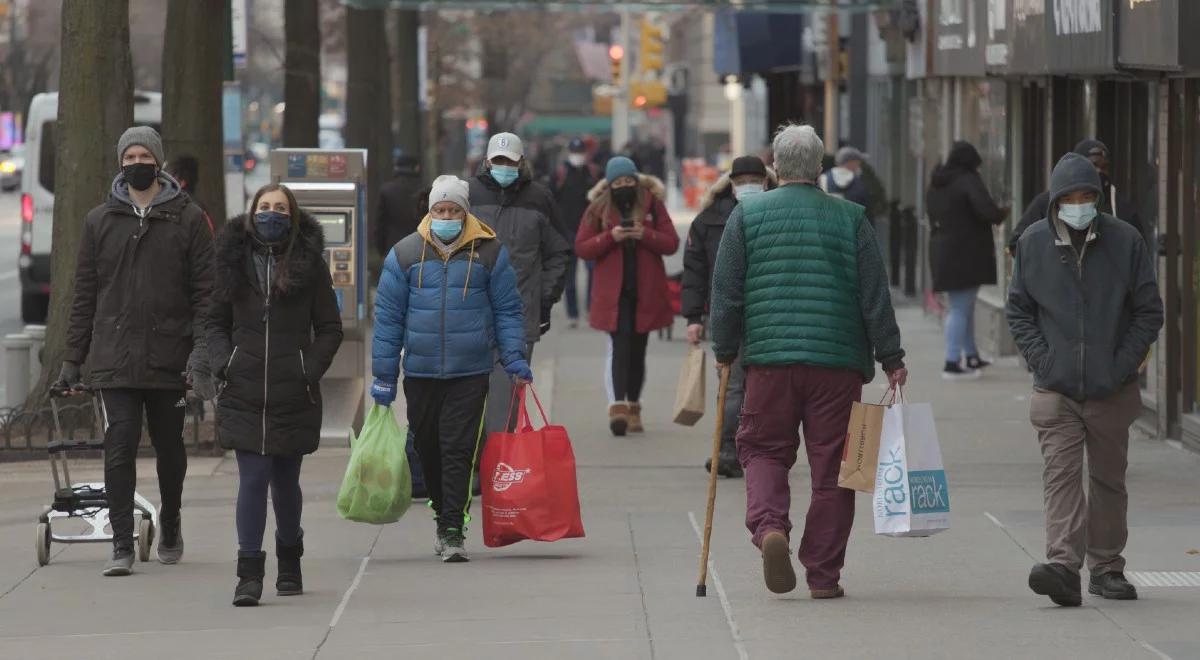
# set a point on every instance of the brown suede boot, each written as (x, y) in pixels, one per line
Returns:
(618, 418)
(635, 418)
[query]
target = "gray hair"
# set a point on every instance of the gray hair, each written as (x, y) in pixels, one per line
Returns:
(798, 153)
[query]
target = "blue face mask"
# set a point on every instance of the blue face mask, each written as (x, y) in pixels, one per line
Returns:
(272, 226)
(746, 189)
(1077, 216)
(504, 175)
(447, 230)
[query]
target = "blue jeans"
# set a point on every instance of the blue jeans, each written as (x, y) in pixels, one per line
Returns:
(960, 325)
(257, 473)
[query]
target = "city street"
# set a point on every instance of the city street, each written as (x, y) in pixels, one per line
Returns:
(10, 283)
(627, 590)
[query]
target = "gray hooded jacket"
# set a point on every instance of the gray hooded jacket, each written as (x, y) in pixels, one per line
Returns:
(1083, 318)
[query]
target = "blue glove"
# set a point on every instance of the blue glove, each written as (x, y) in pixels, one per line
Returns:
(383, 393)
(519, 369)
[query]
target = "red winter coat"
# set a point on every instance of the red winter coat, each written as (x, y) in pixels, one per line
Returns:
(595, 242)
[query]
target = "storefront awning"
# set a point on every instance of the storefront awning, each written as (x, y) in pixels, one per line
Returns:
(782, 6)
(566, 125)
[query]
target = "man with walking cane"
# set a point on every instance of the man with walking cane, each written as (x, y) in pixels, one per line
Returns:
(800, 282)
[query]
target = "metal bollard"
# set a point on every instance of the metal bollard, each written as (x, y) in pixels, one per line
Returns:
(38, 334)
(16, 368)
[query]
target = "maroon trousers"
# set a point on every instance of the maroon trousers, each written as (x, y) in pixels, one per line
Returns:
(779, 400)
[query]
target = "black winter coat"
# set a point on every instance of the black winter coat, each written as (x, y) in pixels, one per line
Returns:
(396, 214)
(141, 290)
(570, 187)
(272, 348)
(962, 250)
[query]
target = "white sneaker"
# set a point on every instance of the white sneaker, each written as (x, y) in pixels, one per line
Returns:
(453, 551)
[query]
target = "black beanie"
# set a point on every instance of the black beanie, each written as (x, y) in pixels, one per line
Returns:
(748, 165)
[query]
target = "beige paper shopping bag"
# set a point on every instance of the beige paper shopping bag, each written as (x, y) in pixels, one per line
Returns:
(860, 458)
(689, 396)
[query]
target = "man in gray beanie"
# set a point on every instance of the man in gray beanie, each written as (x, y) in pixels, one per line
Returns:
(136, 323)
(1084, 308)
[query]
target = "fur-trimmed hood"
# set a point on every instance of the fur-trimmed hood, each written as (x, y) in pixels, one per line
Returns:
(646, 183)
(724, 188)
(234, 248)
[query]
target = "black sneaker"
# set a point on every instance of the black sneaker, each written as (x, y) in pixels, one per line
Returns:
(976, 363)
(170, 541)
(727, 464)
(121, 563)
(1112, 586)
(954, 371)
(1057, 582)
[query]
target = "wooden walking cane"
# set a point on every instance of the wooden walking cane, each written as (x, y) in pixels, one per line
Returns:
(702, 584)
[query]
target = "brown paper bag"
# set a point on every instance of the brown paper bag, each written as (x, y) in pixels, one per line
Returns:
(689, 396)
(860, 458)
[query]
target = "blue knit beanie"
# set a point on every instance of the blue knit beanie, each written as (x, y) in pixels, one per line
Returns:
(619, 166)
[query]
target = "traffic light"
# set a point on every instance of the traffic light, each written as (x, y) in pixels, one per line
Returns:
(615, 54)
(647, 94)
(652, 48)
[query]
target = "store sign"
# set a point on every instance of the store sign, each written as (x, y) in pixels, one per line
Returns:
(996, 54)
(1138, 19)
(1082, 37)
(959, 35)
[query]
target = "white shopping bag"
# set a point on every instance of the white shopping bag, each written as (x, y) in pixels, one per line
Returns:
(911, 495)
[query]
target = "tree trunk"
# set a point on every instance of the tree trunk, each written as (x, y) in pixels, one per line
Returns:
(368, 120)
(193, 72)
(302, 73)
(95, 105)
(408, 108)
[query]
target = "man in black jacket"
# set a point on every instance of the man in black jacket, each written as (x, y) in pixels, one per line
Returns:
(1111, 201)
(396, 211)
(748, 176)
(570, 185)
(1084, 309)
(141, 294)
(523, 214)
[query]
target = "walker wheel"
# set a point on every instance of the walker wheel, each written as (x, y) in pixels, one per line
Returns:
(43, 543)
(145, 538)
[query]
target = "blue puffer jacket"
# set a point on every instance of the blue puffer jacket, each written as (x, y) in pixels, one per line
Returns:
(447, 312)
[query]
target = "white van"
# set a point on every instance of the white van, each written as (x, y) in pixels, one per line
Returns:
(37, 194)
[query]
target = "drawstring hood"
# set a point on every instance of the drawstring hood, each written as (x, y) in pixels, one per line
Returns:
(473, 230)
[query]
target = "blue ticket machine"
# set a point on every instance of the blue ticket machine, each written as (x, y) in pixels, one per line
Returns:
(331, 185)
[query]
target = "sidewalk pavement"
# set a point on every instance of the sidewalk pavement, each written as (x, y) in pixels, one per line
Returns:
(627, 590)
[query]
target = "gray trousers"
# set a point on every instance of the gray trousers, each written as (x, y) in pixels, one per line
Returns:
(734, 396)
(500, 389)
(1094, 527)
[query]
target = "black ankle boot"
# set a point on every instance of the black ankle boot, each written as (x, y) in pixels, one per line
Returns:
(290, 582)
(250, 570)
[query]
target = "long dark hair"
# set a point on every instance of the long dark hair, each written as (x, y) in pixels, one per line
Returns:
(281, 265)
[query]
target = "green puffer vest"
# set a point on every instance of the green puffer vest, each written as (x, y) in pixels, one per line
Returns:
(802, 289)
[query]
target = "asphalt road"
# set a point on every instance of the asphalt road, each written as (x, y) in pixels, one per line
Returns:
(10, 284)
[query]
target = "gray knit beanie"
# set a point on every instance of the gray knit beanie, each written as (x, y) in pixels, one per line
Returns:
(449, 188)
(143, 136)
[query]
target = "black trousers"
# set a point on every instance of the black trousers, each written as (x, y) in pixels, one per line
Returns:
(164, 412)
(627, 371)
(446, 420)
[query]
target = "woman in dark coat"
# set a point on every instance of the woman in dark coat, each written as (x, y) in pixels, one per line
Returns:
(962, 250)
(273, 329)
(626, 230)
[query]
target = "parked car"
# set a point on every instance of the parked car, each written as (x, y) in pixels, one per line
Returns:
(12, 163)
(37, 194)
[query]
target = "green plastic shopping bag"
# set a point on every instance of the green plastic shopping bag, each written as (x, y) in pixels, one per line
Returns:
(377, 488)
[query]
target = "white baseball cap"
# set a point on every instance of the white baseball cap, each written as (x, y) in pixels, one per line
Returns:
(507, 145)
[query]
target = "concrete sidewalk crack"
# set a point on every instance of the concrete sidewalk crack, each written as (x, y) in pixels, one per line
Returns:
(337, 614)
(641, 587)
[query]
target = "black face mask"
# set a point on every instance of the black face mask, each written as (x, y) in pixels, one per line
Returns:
(624, 198)
(140, 176)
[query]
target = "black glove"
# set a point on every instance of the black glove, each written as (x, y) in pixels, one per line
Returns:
(68, 378)
(544, 327)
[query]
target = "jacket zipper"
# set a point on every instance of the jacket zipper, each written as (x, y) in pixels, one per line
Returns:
(304, 372)
(267, 346)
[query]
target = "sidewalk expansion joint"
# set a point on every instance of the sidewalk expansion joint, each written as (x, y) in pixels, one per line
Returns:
(637, 565)
(341, 608)
(738, 644)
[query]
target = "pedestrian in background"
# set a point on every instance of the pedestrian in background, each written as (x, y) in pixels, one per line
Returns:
(273, 330)
(962, 251)
(572, 182)
(395, 216)
(800, 288)
(448, 302)
(845, 179)
(142, 283)
(627, 232)
(748, 176)
(1084, 309)
(525, 218)
(185, 168)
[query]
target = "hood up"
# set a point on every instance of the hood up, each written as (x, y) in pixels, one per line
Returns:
(963, 158)
(723, 189)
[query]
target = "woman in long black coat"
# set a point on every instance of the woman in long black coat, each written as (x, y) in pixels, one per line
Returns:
(273, 329)
(962, 250)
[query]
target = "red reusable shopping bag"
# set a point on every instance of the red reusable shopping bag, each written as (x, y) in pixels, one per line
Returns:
(529, 489)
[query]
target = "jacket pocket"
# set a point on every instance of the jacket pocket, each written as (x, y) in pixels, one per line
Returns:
(170, 344)
(107, 354)
(308, 383)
